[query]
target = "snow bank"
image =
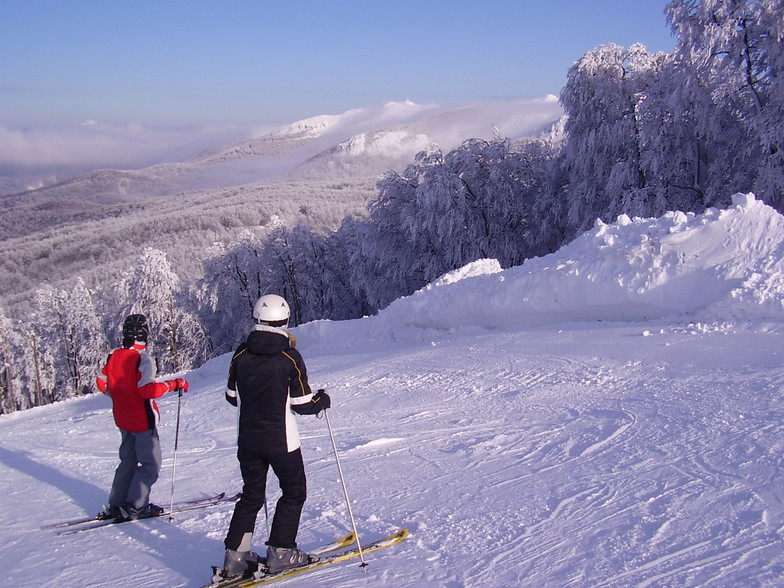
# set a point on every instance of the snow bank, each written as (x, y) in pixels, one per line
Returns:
(630, 270)
(722, 264)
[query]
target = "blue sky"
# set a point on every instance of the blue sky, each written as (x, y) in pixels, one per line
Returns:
(171, 64)
(125, 84)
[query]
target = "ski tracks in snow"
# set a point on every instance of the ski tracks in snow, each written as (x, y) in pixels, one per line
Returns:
(483, 443)
(523, 465)
(547, 458)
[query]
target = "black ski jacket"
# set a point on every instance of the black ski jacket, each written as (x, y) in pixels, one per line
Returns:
(268, 380)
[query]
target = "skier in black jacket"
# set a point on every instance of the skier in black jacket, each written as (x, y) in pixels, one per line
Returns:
(269, 383)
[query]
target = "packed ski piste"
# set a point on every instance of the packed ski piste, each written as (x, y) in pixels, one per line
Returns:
(607, 415)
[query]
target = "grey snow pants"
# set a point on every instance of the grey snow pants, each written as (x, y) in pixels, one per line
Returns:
(140, 464)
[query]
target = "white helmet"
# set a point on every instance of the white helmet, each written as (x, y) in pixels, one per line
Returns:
(272, 310)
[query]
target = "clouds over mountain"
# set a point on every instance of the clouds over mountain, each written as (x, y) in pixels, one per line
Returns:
(385, 135)
(32, 158)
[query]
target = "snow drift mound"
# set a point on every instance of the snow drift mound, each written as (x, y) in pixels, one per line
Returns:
(632, 270)
(719, 265)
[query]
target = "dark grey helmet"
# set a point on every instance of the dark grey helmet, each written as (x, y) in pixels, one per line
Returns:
(135, 328)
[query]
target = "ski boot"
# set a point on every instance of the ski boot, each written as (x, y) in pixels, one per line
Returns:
(238, 563)
(283, 558)
(131, 513)
(109, 512)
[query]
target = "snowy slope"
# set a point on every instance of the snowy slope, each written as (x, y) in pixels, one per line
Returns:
(609, 415)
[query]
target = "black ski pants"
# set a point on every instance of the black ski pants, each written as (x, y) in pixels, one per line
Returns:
(290, 471)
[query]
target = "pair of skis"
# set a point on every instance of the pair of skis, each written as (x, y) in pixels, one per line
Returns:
(100, 520)
(333, 552)
(328, 554)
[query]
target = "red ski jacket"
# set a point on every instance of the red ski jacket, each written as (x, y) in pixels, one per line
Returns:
(130, 383)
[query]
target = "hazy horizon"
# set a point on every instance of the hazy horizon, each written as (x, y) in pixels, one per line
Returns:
(126, 84)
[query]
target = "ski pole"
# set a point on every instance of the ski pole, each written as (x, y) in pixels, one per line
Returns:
(266, 514)
(345, 490)
(176, 443)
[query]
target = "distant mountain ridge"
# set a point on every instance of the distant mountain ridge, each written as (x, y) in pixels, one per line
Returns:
(316, 171)
(380, 136)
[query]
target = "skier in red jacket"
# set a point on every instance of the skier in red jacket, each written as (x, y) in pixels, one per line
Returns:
(129, 379)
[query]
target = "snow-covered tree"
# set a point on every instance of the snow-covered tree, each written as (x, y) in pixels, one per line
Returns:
(153, 289)
(311, 271)
(603, 157)
(234, 278)
(86, 344)
(769, 82)
(39, 366)
(11, 386)
(327, 290)
(444, 211)
(68, 333)
(671, 155)
(283, 271)
(386, 262)
(730, 56)
(306, 268)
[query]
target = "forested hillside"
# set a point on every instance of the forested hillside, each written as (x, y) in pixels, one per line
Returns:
(643, 134)
(98, 243)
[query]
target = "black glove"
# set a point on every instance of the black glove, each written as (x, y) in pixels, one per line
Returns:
(322, 400)
(319, 402)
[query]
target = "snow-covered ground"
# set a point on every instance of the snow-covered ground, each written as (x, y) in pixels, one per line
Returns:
(608, 415)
